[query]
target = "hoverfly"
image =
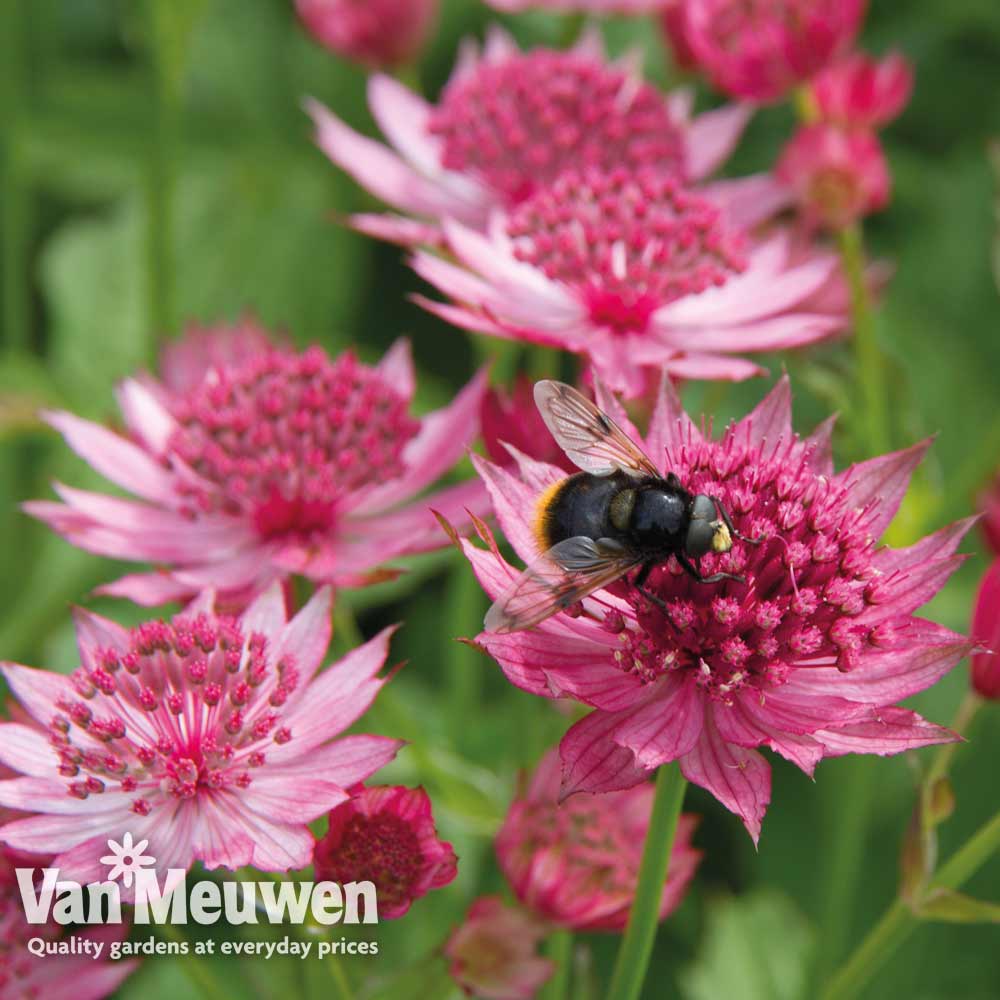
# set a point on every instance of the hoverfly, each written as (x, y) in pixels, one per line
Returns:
(617, 515)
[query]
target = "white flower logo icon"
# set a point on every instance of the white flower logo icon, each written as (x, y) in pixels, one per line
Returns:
(126, 859)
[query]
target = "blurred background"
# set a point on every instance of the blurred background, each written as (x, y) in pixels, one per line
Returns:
(156, 169)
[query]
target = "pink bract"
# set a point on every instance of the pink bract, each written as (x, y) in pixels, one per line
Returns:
(576, 864)
(386, 835)
(509, 122)
(761, 49)
(494, 953)
(862, 92)
(986, 631)
(808, 657)
(212, 737)
(637, 274)
(511, 418)
(838, 176)
(372, 32)
(271, 462)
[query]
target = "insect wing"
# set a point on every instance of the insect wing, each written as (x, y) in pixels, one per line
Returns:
(567, 573)
(590, 438)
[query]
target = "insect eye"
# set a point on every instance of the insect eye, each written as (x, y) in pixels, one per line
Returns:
(699, 537)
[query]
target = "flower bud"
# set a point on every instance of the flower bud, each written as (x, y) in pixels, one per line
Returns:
(986, 631)
(862, 92)
(838, 176)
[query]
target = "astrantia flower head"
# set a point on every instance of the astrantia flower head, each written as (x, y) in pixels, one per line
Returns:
(986, 631)
(838, 176)
(581, 6)
(24, 974)
(494, 953)
(273, 462)
(807, 656)
(760, 49)
(576, 864)
(636, 273)
(372, 32)
(386, 835)
(860, 92)
(211, 737)
(507, 124)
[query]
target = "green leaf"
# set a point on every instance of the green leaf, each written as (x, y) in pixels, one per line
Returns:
(955, 908)
(994, 150)
(756, 947)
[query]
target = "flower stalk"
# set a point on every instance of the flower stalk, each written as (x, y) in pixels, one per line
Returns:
(637, 944)
(900, 920)
(559, 947)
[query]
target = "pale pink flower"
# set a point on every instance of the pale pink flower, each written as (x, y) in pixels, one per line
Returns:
(761, 49)
(494, 953)
(508, 123)
(635, 273)
(576, 864)
(372, 32)
(986, 631)
(581, 6)
(808, 657)
(273, 462)
(52, 977)
(838, 176)
(386, 835)
(212, 737)
(862, 92)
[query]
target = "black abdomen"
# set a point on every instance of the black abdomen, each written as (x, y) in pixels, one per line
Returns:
(580, 505)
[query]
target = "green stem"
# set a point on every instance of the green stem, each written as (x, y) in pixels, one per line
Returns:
(573, 25)
(347, 634)
(162, 170)
(195, 968)
(464, 664)
(941, 763)
(637, 945)
(339, 977)
(868, 354)
(559, 948)
(899, 921)
(15, 320)
(844, 852)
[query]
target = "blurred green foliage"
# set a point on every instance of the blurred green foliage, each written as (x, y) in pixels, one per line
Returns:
(156, 168)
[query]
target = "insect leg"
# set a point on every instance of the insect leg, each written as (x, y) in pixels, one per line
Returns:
(724, 514)
(640, 579)
(695, 574)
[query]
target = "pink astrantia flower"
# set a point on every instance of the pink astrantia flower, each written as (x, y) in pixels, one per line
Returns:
(986, 631)
(761, 49)
(372, 32)
(210, 736)
(807, 657)
(838, 176)
(508, 123)
(577, 864)
(862, 92)
(634, 272)
(511, 418)
(494, 953)
(386, 835)
(52, 976)
(275, 462)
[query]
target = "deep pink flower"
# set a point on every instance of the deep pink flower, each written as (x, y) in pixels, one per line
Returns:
(635, 273)
(989, 504)
(372, 32)
(511, 418)
(272, 463)
(52, 977)
(211, 736)
(838, 176)
(808, 657)
(508, 123)
(494, 953)
(673, 20)
(576, 864)
(986, 631)
(862, 92)
(386, 835)
(760, 49)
